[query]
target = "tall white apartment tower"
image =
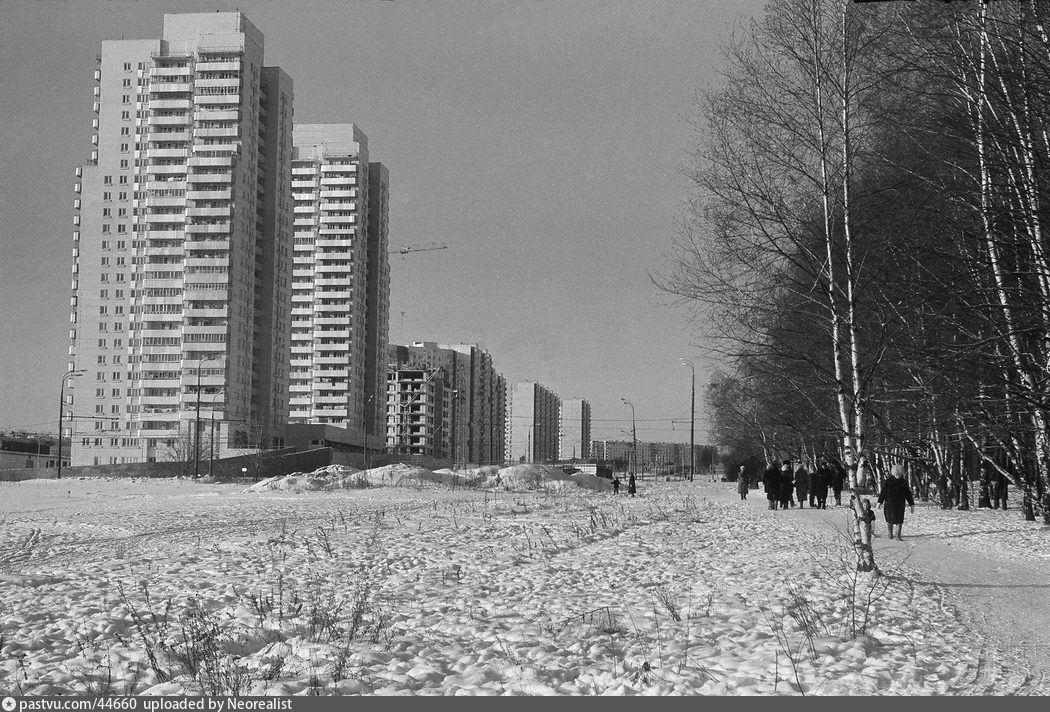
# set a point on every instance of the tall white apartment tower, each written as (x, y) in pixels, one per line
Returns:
(182, 248)
(574, 442)
(340, 279)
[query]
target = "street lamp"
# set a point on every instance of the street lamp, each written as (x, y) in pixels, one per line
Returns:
(211, 439)
(197, 419)
(634, 437)
(72, 373)
(692, 422)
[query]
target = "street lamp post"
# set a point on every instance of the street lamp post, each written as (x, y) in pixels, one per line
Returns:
(634, 437)
(692, 423)
(211, 438)
(364, 425)
(197, 419)
(72, 373)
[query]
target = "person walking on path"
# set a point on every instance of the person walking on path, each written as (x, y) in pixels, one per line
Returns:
(818, 484)
(999, 492)
(616, 485)
(741, 483)
(801, 486)
(771, 483)
(837, 480)
(894, 495)
(632, 485)
(787, 485)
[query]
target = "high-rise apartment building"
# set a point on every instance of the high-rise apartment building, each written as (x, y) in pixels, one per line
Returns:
(532, 432)
(182, 247)
(340, 280)
(575, 436)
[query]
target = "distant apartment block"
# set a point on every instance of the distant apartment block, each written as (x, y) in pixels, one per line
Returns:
(650, 455)
(340, 279)
(418, 411)
(533, 427)
(182, 242)
(574, 442)
(476, 423)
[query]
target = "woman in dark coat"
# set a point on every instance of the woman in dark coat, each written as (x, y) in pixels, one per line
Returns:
(771, 482)
(894, 495)
(632, 485)
(801, 485)
(741, 483)
(787, 485)
(818, 484)
(837, 481)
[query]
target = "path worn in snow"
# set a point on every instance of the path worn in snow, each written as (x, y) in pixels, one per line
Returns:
(1002, 598)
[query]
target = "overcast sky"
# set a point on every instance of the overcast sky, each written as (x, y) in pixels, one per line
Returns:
(542, 142)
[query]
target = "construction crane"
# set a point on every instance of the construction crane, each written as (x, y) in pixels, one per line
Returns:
(405, 249)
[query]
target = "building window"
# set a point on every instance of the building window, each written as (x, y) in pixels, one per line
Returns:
(127, 66)
(108, 180)
(126, 98)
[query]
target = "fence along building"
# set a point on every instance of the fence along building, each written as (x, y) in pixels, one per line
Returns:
(182, 247)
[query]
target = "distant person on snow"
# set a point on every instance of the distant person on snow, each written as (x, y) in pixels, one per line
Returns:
(818, 488)
(632, 485)
(771, 483)
(999, 491)
(837, 480)
(741, 483)
(895, 493)
(787, 486)
(801, 485)
(616, 485)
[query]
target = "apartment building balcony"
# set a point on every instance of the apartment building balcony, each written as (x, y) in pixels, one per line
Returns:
(160, 401)
(196, 177)
(201, 81)
(232, 131)
(211, 212)
(330, 194)
(338, 206)
(216, 114)
(210, 161)
(169, 104)
(207, 228)
(335, 269)
(338, 180)
(336, 293)
(218, 66)
(168, 136)
(158, 185)
(303, 197)
(303, 171)
(210, 244)
(165, 202)
(342, 243)
(207, 262)
(161, 71)
(180, 120)
(165, 88)
(302, 272)
(167, 170)
(330, 359)
(301, 296)
(189, 379)
(206, 99)
(210, 291)
(154, 154)
(348, 169)
(338, 219)
(342, 334)
(224, 194)
(166, 219)
(303, 209)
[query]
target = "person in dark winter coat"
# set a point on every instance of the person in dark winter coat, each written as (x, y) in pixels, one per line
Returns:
(616, 485)
(632, 485)
(741, 483)
(837, 480)
(894, 495)
(818, 484)
(787, 486)
(771, 482)
(801, 485)
(999, 490)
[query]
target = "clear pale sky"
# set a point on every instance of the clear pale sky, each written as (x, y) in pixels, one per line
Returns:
(541, 141)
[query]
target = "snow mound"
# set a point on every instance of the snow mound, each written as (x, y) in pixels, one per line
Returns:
(331, 477)
(532, 476)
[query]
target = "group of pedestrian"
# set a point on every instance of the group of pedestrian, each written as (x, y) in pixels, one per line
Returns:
(632, 485)
(783, 485)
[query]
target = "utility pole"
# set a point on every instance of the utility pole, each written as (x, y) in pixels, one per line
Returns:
(197, 419)
(634, 437)
(692, 423)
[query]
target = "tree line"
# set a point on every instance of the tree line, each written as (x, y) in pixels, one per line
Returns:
(864, 248)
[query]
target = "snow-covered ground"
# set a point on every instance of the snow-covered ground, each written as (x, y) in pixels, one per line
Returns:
(513, 582)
